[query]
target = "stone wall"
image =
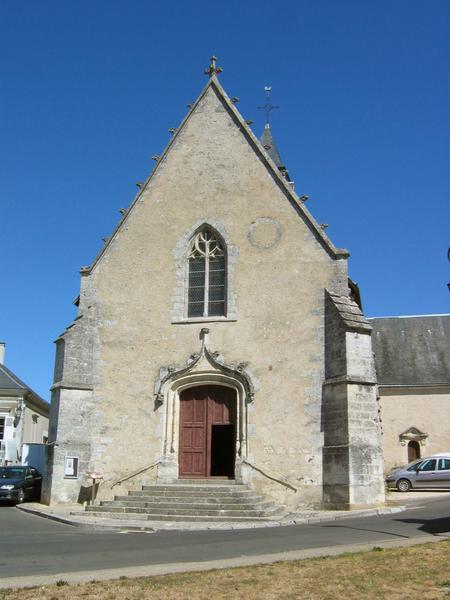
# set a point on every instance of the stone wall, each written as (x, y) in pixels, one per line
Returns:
(426, 409)
(72, 422)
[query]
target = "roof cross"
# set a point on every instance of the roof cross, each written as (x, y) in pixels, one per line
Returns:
(268, 107)
(213, 69)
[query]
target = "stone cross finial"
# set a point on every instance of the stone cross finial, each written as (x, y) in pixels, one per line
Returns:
(213, 69)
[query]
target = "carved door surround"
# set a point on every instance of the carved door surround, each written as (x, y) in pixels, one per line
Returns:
(203, 369)
(414, 439)
(413, 434)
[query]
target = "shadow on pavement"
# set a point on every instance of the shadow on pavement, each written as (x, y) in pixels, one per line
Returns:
(346, 526)
(431, 526)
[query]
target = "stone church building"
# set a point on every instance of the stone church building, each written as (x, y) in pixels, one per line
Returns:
(218, 336)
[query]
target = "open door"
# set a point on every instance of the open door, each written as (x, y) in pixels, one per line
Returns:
(207, 432)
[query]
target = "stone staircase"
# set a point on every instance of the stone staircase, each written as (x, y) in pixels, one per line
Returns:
(189, 500)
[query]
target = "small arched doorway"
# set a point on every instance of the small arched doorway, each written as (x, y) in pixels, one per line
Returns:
(207, 442)
(413, 450)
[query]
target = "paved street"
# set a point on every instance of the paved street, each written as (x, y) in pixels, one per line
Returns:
(31, 545)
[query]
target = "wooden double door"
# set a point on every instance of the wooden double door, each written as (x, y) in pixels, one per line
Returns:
(207, 432)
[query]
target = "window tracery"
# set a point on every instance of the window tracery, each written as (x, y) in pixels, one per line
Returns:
(207, 275)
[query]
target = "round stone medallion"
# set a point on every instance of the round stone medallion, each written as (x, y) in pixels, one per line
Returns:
(264, 233)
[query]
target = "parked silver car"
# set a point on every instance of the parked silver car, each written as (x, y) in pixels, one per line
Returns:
(424, 473)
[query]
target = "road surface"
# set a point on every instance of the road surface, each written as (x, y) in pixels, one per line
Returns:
(33, 546)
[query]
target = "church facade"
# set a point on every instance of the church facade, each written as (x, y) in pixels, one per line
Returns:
(217, 336)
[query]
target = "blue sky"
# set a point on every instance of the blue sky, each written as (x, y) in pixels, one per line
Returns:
(89, 90)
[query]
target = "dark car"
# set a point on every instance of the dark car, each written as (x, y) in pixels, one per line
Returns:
(20, 483)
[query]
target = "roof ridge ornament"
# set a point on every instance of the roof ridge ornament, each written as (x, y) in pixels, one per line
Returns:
(213, 69)
(268, 107)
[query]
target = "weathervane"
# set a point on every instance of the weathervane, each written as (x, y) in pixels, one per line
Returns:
(268, 107)
(213, 69)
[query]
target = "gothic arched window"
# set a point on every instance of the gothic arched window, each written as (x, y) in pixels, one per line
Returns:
(207, 275)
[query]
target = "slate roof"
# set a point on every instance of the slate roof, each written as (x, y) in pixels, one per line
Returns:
(270, 147)
(350, 313)
(268, 143)
(10, 382)
(412, 350)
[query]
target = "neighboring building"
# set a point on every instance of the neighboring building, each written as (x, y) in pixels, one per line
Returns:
(412, 357)
(217, 336)
(23, 415)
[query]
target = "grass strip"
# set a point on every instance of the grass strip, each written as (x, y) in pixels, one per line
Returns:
(417, 572)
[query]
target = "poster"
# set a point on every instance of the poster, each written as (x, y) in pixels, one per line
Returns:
(71, 467)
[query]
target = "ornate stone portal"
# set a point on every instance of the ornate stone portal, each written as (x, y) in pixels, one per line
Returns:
(412, 434)
(203, 368)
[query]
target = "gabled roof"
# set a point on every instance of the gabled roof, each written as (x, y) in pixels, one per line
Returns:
(264, 156)
(412, 350)
(9, 382)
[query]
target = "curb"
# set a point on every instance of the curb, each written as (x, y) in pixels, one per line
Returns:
(206, 525)
(59, 519)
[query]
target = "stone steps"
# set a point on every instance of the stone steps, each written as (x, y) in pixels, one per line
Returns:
(192, 492)
(206, 489)
(187, 512)
(219, 481)
(180, 502)
(189, 500)
(176, 518)
(175, 506)
(175, 496)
